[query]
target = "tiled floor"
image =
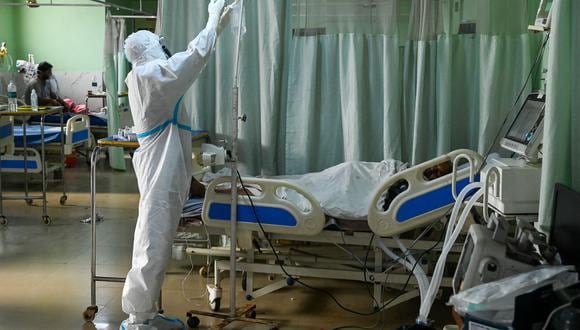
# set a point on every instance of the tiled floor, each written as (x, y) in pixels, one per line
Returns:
(45, 270)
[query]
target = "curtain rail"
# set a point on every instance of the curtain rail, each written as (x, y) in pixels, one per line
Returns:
(134, 16)
(97, 3)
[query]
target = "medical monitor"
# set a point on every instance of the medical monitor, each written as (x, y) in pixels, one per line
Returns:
(524, 136)
(565, 228)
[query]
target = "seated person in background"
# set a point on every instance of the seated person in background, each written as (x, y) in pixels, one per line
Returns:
(47, 93)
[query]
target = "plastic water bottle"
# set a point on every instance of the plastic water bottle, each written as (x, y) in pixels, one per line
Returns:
(94, 85)
(12, 101)
(34, 100)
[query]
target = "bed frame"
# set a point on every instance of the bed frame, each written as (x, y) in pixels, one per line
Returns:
(76, 132)
(423, 202)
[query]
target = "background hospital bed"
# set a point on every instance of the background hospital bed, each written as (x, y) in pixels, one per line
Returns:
(19, 158)
(76, 132)
(424, 201)
(98, 123)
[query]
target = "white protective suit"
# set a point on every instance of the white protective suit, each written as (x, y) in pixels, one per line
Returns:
(163, 163)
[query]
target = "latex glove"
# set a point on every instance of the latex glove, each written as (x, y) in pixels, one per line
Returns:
(214, 10)
(226, 15)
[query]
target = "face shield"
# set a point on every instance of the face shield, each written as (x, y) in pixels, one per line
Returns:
(142, 47)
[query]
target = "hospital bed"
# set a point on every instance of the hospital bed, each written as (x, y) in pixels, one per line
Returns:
(23, 149)
(97, 121)
(424, 199)
(76, 132)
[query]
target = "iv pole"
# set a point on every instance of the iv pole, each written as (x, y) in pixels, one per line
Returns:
(241, 314)
(234, 169)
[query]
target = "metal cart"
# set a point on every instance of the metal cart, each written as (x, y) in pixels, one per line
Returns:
(24, 114)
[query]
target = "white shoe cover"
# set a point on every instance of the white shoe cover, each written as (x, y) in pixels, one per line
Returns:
(160, 322)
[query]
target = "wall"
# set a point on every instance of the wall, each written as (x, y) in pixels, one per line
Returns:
(70, 38)
(6, 35)
(51, 32)
(7, 26)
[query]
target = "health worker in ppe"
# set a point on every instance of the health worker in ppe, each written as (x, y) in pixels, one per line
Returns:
(163, 162)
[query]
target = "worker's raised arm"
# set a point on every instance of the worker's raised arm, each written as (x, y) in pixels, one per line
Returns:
(156, 79)
(186, 66)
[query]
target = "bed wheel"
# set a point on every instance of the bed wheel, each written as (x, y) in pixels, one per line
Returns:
(46, 219)
(250, 314)
(3, 220)
(28, 201)
(63, 199)
(90, 312)
(192, 321)
(215, 304)
(244, 281)
(204, 270)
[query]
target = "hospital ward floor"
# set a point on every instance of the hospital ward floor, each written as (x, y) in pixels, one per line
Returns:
(45, 269)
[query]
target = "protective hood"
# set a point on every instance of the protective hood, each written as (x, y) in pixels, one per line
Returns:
(142, 47)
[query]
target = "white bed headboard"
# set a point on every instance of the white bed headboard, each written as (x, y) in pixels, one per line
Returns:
(424, 200)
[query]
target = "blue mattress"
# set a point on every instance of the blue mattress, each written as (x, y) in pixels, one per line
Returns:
(51, 135)
(96, 121)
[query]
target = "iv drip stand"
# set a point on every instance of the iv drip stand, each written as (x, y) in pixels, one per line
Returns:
(234, 169)
(235, 314)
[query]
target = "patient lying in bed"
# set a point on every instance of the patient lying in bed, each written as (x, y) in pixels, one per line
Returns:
(343, 191)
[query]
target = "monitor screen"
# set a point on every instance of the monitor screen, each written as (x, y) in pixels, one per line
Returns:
(524, 127)
(565, 230)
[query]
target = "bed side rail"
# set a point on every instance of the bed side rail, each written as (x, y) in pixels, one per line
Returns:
(277, 213)
(77, 132)
(421, 194)
(6, 136)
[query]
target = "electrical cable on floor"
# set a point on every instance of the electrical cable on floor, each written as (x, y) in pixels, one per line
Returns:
(374, 326)
(326, 292)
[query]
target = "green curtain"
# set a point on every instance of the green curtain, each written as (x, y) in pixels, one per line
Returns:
(456, 88)
(343, 101)
(115, 69)
(411, 91)
(561, 150)
(261, 78)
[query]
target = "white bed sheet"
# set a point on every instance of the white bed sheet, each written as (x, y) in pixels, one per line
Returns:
(344, 191)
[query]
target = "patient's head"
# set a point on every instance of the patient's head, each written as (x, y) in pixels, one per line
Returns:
(438, 171)
(44, 71)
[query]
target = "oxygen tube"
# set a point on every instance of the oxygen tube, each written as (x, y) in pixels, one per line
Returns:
(456, 223)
